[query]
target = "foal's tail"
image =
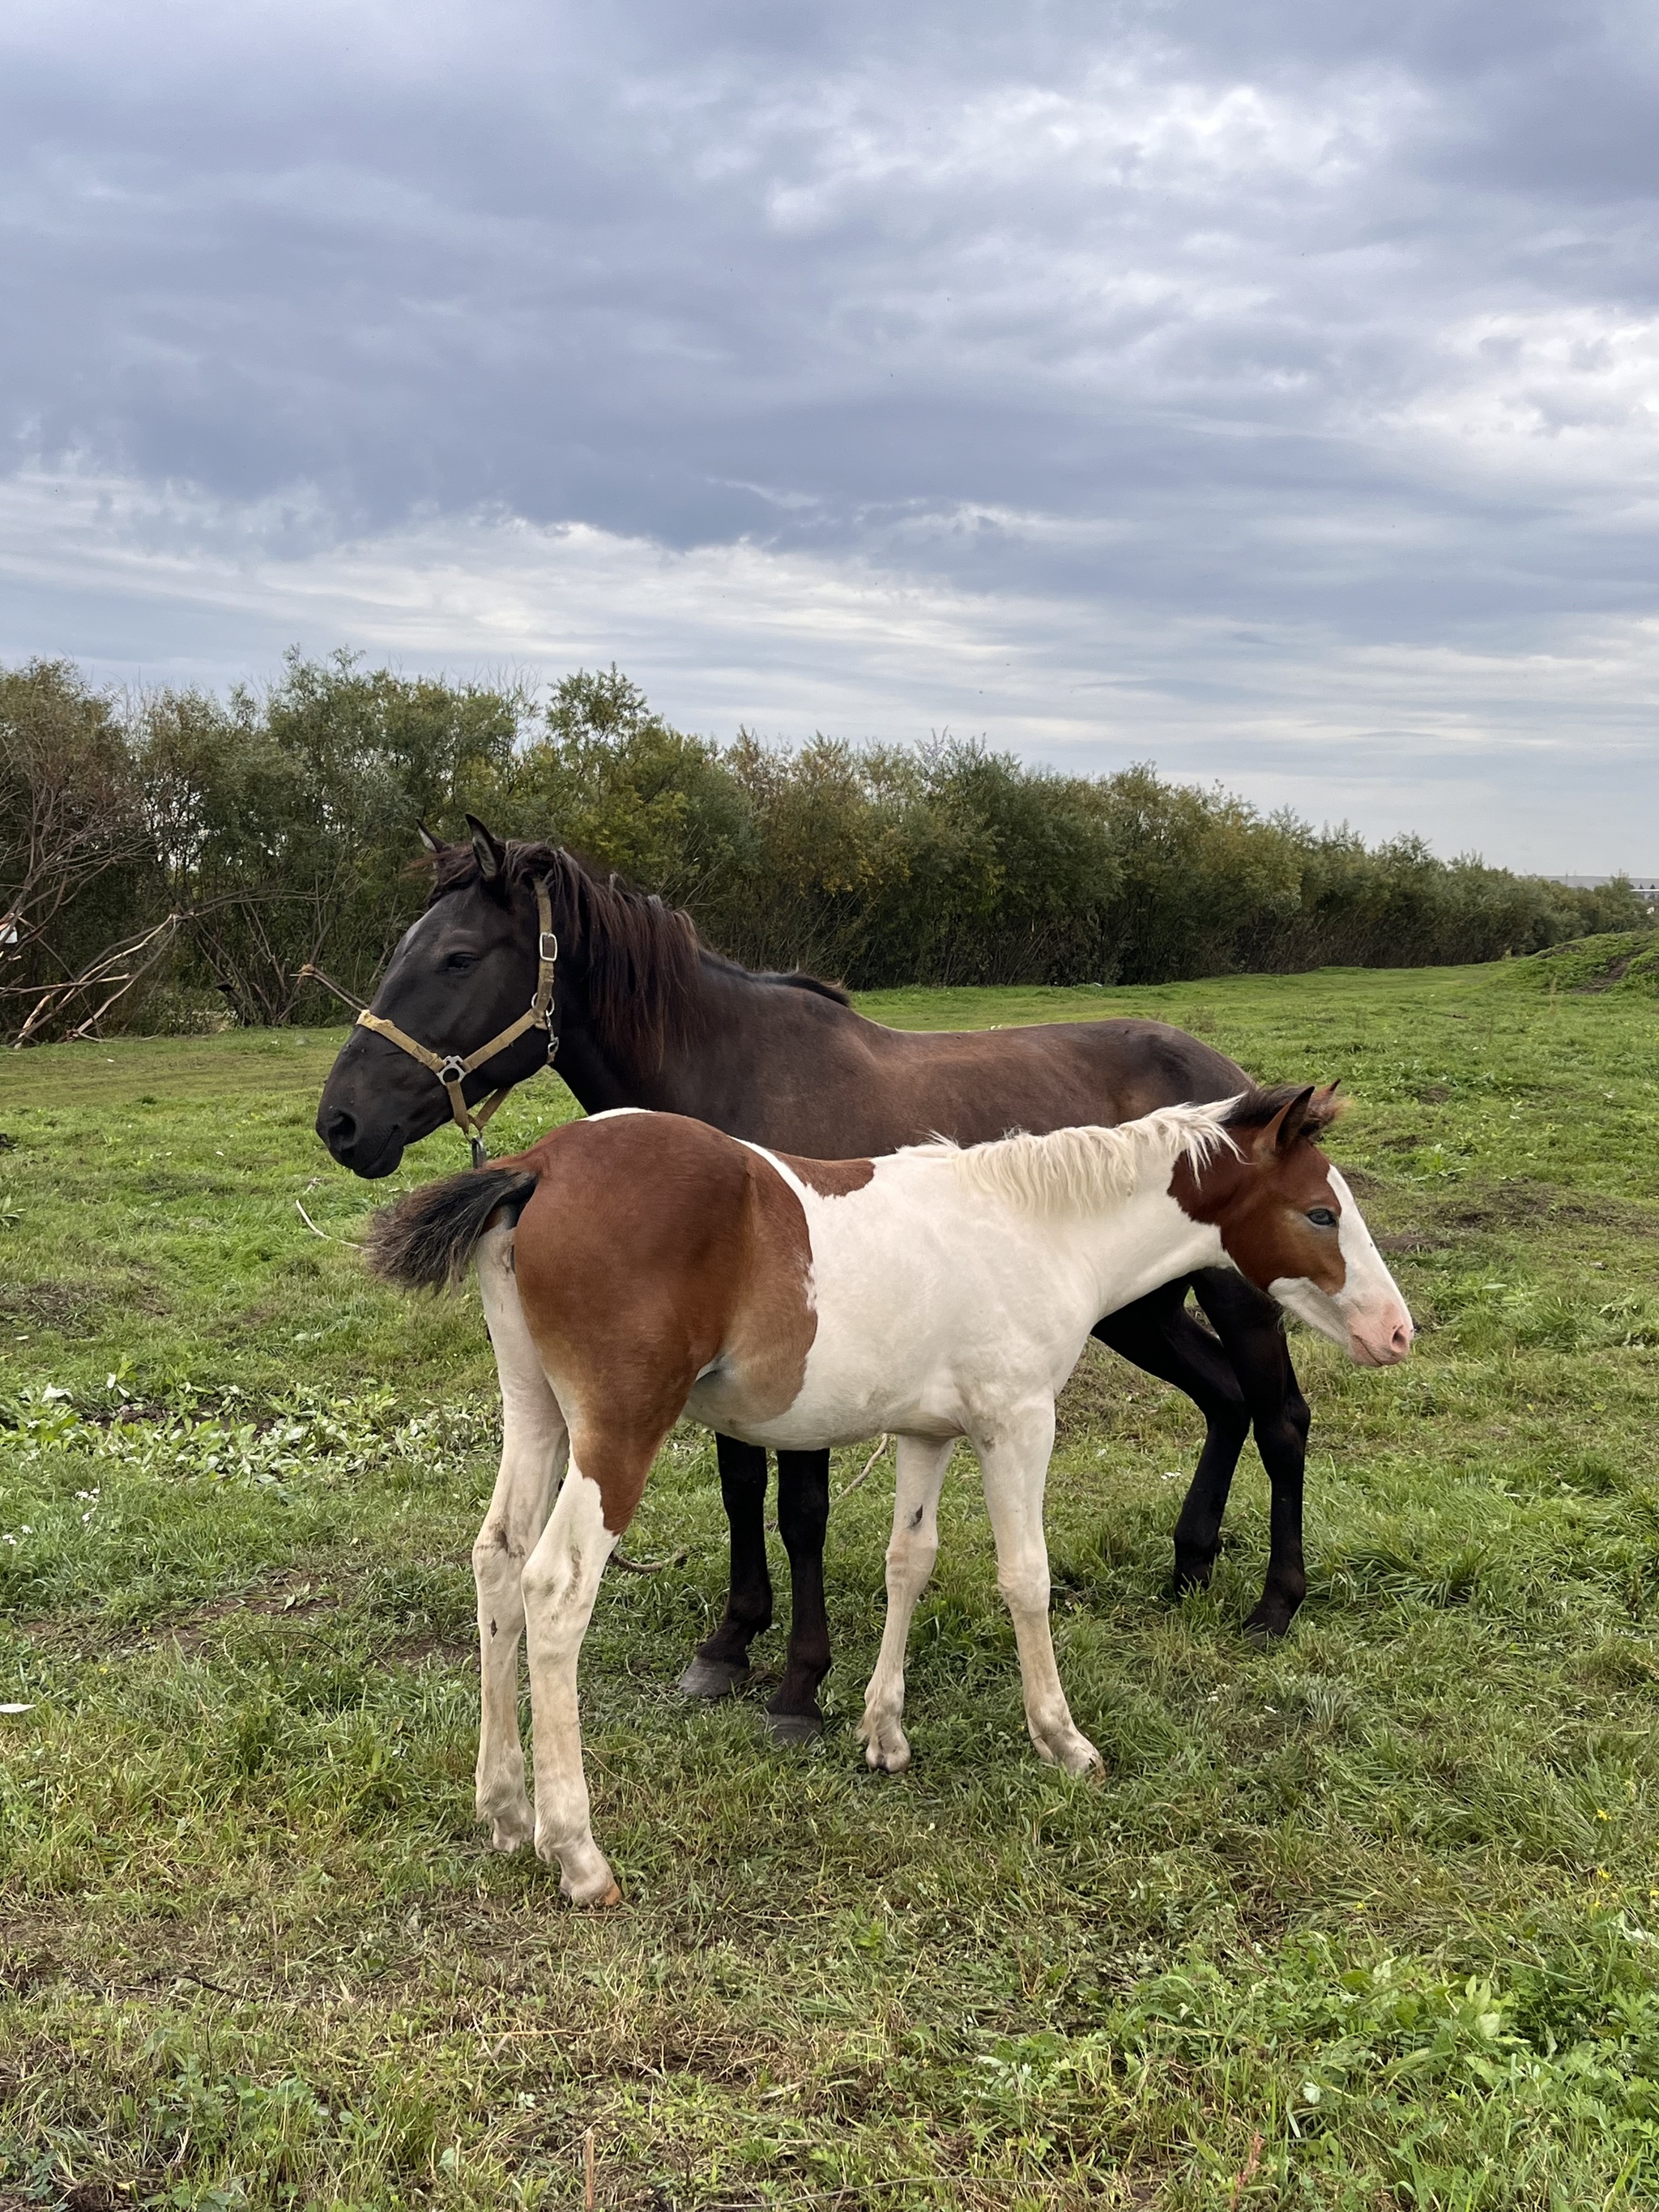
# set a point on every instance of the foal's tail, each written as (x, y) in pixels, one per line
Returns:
(426, 1240)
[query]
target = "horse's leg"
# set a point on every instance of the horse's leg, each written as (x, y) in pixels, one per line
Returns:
(533, 1444)
(1015, 1463)
(721, 1663)
(910, 1555)
(560, 1584)
(1252, 1333)
(792, 1714)
(1157, 1334)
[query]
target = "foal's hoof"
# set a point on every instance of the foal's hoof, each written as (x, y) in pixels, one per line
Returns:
(793, 1727)
(712, 1678)
(886, 1746)
(511, 1828)
(606, 1901)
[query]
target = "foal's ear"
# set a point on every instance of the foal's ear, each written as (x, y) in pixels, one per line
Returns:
(488, 852)
(434, 845)
(1286, 1126)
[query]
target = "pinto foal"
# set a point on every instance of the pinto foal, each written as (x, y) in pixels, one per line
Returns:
(636, 1267)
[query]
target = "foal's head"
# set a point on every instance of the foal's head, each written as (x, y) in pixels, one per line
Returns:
(1289, 1224)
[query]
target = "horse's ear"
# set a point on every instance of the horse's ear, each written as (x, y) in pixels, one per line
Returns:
(1286, 1126)
(488, 852)
(434, 845)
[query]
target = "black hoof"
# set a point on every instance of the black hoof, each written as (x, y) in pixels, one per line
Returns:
(712, 1678)
(793, 1727)
(1191, 1578)
(1266, 1624)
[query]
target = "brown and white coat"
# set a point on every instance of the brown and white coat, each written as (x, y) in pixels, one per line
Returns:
(634, 1267)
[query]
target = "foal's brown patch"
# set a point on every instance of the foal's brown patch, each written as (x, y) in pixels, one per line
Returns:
(830, 1178)
(1260, 1204)
(653, 1248)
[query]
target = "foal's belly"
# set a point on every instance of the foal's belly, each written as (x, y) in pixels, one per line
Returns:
(818, 1419)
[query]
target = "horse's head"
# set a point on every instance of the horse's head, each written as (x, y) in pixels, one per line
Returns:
(1289, 1224)
(461, 974)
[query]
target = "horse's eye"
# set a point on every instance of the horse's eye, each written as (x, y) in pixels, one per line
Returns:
(459, 961)
(1322, 1217)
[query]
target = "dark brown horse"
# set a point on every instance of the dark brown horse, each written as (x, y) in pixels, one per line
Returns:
(643, 1014)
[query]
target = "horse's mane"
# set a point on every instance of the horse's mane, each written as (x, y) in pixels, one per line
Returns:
(1254, 1109)
(1092, 1168)
(641, 959)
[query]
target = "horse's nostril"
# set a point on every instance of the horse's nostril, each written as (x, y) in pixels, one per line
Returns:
(341, 1131)
(1401, 1343)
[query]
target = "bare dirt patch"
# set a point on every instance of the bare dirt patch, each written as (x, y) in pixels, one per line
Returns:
(71, 1302)
(1521, 1203)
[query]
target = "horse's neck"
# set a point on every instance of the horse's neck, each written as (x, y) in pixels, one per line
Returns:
(1137, 1244)
(740, 1065)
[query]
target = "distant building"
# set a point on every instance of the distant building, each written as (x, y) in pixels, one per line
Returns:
(1646, 887)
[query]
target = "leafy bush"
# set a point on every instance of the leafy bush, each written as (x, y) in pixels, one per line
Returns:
(281, 828)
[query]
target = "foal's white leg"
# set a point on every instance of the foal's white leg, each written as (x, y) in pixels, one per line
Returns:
(533, 1448)
(921, 1464)
(559, 1585)
(1014, 1460)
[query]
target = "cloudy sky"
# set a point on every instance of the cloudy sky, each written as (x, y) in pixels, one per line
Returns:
(1270, 391)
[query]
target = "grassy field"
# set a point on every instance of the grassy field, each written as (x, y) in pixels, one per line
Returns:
(1364, 1920)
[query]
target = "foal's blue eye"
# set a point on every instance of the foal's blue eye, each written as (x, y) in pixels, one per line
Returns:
(1322, 1217)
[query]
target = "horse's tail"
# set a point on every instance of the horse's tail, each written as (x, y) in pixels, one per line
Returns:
(426, 1240)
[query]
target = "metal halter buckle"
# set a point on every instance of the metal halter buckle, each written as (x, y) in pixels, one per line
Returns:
(547, 946)
(453, 1069)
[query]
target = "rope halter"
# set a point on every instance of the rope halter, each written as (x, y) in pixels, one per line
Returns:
(451, 1069)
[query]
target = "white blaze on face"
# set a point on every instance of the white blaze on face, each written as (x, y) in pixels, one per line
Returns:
(1368, 1314)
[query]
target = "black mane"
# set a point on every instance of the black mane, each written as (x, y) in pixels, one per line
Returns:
(1256, 1107)
(641, 959)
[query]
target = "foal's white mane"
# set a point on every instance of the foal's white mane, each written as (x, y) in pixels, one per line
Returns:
(1089, 1169)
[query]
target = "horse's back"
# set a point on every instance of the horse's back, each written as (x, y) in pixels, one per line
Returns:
(974, 1084)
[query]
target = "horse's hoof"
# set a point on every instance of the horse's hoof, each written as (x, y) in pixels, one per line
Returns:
(1267, 1624)
(611, 1897)
(793, 1727)
(886, 1749)
(712, 1678)
(512, 1830)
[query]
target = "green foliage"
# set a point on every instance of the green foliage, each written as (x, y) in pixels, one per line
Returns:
(283, 825)
(1364, 1920)
(72, 842)
(286, 822)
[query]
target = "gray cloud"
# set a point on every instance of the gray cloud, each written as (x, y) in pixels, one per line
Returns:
(1333, 325)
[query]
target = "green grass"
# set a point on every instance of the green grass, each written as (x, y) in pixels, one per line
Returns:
(1365, 1920)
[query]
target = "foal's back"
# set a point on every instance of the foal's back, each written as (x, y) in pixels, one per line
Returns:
(651, 1247)
(789, 1301)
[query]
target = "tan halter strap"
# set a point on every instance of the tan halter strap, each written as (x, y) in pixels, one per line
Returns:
(452, 1070)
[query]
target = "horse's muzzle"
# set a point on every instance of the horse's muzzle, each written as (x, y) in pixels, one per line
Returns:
(370, 1156)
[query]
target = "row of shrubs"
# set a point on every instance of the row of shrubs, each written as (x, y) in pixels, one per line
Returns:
(251, 833)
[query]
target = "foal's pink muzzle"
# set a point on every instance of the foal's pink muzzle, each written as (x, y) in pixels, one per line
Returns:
(1382, 1343)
